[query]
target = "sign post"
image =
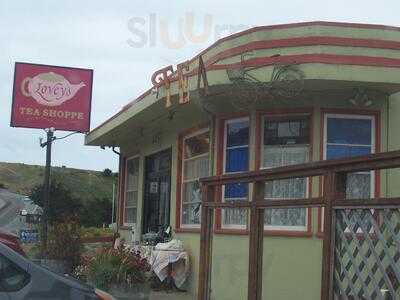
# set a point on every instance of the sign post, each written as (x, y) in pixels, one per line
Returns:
(46, 190)
(51, 98)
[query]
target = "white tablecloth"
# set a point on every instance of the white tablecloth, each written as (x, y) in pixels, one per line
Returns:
(160, 258)
(179, 260)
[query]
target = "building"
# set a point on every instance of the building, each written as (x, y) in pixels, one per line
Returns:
(266, 97)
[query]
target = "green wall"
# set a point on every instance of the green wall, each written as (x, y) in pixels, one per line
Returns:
(291, 265)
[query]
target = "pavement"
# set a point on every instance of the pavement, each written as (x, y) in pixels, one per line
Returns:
(10, 205)
(2, 203)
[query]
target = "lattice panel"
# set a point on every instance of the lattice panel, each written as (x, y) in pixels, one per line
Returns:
(367, 254)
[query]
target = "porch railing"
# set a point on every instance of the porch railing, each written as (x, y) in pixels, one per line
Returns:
(353, 263)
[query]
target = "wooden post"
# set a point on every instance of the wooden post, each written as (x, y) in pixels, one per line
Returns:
(207, 213)
(254, 289)
(334, 188)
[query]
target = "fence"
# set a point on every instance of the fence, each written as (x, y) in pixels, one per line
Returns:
(361, 241)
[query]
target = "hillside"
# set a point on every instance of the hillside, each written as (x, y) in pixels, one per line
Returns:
(84, 184)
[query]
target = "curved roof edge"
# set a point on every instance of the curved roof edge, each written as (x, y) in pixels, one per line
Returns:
(252, 30)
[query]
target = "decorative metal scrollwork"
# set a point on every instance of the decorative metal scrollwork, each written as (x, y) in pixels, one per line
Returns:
(286, 81)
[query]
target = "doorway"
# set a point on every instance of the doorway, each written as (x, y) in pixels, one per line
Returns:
(156, 208)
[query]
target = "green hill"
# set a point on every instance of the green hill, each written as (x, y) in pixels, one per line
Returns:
(84, 184)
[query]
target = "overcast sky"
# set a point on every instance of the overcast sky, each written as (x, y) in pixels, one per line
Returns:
(125, 42)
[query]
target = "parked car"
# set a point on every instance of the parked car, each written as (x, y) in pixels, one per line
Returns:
(21, 279)
(11, 240)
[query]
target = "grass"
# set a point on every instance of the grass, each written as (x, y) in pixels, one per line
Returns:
(84, 184)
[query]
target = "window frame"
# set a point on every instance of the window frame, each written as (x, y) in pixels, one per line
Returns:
(125, 191)
(278, 229)
(375, 148)
(182, 169)
(352, 117)
(179, 227)
(225, 124)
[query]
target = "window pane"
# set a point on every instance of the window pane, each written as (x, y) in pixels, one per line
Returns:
(191, 192)
(132, 174)
(196, 168)
(131, 193)
(286, 188)
(191, 213)
(286, 132)
(237, 133)
(349, 131)
(358, 185)
(234, 216)
(335, 151)
(197, 145)
(131, 198)
(130, 215)
(285, 217)
(284, 156)
(236, 190)
(237, 160)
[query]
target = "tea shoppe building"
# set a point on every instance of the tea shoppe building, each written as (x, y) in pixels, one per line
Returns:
(265, 97)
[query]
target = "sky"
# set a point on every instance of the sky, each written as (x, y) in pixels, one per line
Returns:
(124, 42)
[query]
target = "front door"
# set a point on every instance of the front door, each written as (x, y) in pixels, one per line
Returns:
(157, 191)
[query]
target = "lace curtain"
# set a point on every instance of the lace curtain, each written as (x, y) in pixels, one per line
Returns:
(275, 156)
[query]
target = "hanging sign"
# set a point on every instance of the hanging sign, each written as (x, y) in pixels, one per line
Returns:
(51, 96)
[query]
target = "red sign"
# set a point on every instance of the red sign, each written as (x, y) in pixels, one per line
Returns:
(50, 96)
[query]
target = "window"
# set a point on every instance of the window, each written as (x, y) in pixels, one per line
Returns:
(12, 277)
(236, 159)
(286, 141)
(131, 190)
(348, 136)
(195, 165)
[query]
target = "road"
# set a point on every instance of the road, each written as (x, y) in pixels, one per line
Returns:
(10, 204)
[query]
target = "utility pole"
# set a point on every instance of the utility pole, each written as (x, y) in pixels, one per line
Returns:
(46, 190)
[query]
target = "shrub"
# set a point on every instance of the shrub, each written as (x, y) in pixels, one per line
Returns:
(112, 266)
(64, 243)
(91, 232)
(62, 203)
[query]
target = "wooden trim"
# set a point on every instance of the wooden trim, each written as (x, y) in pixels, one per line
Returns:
(205, 260)
(289, 233)
(122, 191)
(334, 172)
(256, 242)
(352, 111)
(262, 203)
(230, 231)
(178, 209)
(386, 160)
(334, 187)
